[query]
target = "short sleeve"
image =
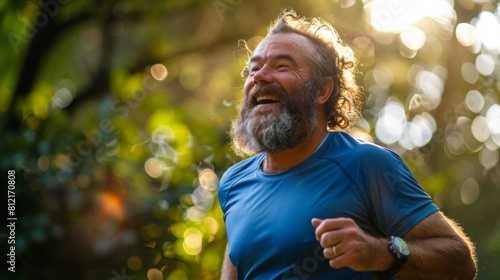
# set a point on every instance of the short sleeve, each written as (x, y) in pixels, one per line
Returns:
(397, 201)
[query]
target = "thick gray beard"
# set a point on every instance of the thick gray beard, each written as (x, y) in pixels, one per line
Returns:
(275, 133)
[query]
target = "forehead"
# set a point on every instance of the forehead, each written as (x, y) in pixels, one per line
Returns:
(293, 44)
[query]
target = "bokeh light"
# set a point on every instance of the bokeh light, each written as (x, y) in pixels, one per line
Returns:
(65, 92)
(195, 213)
(153, 167)
(469, 191)
(397, 16)
(111, 205)
(203, 198)
(488, 158)
(413, 38)
(474, 101)
(493, 118)
(391, 123)
(480, 128)
(208, 179)
(62, 98)
(485, 64)
(43, 163)
(488, 28)
(82, 181)
(421, 130)
(134, 263)
(455, 143)
(469, 73)
(346, 3)
(211, 225)
(466, 34)
(154, 274)
(159, 72)
(431, 86)
(193, 241)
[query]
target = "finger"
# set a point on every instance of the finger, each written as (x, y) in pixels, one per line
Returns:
(335, 263)
(333, 224)
(316, 222)
(331, 253)
(330, 238)
(325, 226)
(341, 261)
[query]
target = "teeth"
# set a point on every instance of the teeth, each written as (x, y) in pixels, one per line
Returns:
(267, 97)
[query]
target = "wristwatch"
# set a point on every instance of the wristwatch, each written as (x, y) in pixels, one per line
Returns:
(401, 252)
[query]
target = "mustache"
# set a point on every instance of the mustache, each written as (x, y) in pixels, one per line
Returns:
(277, 90)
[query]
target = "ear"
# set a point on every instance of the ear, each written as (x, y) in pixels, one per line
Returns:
(325, 89)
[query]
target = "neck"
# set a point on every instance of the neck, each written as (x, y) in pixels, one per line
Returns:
(276, 162)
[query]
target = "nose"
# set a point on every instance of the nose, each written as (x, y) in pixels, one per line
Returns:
(262, 76)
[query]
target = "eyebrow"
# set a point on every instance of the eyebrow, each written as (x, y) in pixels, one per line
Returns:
(278, 56)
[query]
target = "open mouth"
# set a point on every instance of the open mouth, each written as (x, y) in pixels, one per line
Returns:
(266, 99)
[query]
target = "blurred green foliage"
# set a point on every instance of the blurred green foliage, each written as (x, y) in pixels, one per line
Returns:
(114, 116)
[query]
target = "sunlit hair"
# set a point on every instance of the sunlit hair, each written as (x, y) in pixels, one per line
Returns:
(332, 59)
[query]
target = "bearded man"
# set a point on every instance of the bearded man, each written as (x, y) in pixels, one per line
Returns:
(315, 203)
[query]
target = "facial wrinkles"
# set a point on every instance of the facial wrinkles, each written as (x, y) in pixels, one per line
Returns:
(294, 48)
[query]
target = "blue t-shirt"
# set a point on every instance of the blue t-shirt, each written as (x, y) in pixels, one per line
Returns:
(268, 216)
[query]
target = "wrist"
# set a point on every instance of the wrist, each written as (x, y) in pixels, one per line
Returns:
(400, 253)
(383, 256)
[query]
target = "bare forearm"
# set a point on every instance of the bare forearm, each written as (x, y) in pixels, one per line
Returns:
(438, 258)
(228, 273)
(228, 269)
(449, 254)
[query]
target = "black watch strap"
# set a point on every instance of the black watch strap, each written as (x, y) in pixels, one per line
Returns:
(400, 258)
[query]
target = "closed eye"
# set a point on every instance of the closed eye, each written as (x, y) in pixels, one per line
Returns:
(254, 69)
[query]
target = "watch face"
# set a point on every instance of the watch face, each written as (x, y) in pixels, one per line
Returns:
(401, 246)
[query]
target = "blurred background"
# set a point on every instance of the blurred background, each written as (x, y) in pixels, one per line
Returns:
(114, 118)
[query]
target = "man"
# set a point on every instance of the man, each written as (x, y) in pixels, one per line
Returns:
(316, 203)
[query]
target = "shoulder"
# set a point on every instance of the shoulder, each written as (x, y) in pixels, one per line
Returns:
(235, 173)
(240, 169)
(361, 161)
(343, 148)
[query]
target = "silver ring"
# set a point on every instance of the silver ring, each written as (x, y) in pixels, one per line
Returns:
(334, 251)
